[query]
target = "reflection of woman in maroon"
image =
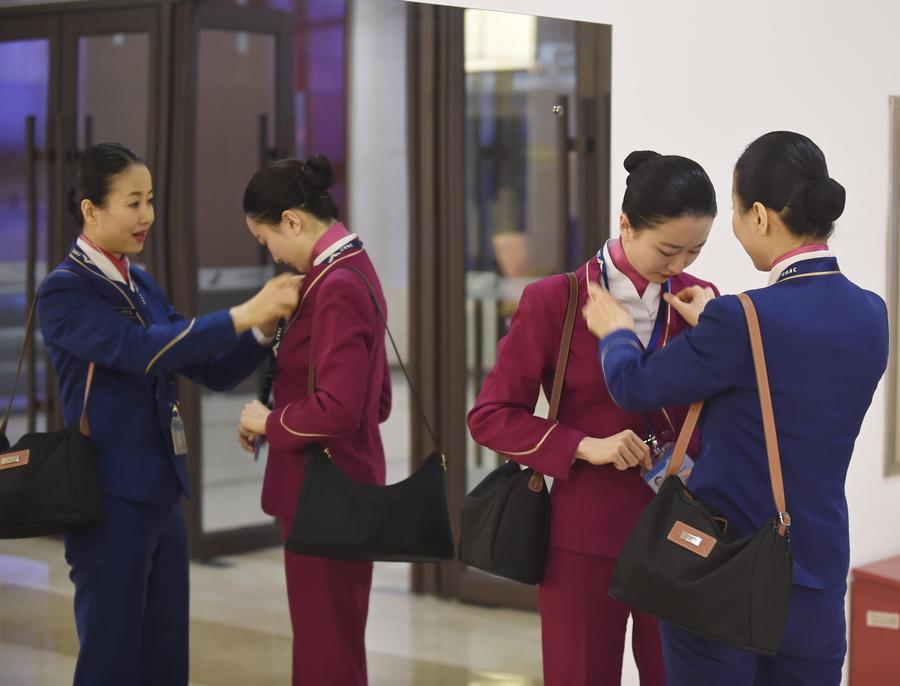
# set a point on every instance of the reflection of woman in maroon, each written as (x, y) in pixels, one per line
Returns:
(592, 449)
(338, 328)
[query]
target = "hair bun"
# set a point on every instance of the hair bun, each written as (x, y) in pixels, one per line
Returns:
(637, 158)
(823, 200)
(317, 173)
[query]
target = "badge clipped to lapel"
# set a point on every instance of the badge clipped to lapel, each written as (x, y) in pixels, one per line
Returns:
(660, 456)
(179, 440)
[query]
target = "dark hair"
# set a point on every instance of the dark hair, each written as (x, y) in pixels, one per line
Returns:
(96, 168)
(786, 172)
(289, 183)
(661, 187)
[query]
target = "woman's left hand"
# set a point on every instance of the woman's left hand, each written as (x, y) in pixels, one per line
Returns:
(604, 314)
(253, 418)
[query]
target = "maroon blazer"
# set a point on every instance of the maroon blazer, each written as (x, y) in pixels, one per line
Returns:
(353, 384)
(593, 508)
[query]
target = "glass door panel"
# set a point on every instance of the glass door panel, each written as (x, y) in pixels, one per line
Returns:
(520, 220)
(24, 92)
(235, 132)
(113, 90)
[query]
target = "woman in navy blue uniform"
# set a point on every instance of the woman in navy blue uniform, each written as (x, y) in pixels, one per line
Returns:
(826, 347)
(131, 572)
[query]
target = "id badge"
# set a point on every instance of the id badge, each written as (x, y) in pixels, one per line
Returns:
(657, 473)
(257, 447)
(179, 440)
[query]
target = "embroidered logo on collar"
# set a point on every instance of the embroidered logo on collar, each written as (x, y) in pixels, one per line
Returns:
(354, 244)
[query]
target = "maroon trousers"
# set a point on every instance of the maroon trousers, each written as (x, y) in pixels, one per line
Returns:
(583, 628)
(329, 603)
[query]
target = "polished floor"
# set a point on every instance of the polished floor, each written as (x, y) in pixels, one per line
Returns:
(240, 629)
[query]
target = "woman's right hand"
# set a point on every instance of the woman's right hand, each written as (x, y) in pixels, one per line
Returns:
(276, 300)
(690, 302)
(622, 450)
(247, 439)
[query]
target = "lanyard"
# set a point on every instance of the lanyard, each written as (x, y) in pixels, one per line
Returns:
(266, 393)
(79, 255)
(819, 265)
(661, 325)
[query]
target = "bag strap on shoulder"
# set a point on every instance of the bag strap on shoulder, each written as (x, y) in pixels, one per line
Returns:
(412, 389)
(29, 327)
(768, 418)
(536, 482)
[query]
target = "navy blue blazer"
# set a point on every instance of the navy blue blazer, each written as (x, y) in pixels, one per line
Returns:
(826, 347)
(138, 343)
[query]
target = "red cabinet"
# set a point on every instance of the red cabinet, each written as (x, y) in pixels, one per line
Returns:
(875, 624)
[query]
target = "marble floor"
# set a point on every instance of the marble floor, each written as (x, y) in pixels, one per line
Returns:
(240, 629)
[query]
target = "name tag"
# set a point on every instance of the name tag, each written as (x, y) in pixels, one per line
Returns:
(127, 312)
(179, 439)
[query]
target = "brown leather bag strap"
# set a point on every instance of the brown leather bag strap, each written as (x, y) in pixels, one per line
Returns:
(684, 438)
(565, 343)
(536, 482)
(29, 326)
(29, 323)
(768, 418)
(83, 421)
(768, 415)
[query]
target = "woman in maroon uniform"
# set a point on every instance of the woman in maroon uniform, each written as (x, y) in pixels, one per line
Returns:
(592, 451)
(338, 329)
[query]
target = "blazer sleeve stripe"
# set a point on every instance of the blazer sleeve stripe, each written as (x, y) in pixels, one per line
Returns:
(168, 346)
(298, 433)
(537, 447)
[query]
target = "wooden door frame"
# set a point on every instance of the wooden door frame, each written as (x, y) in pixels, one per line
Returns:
(438, 293)
(181, 248)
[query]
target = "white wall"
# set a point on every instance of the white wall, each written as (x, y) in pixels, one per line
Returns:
(378, 184)
(704, 77)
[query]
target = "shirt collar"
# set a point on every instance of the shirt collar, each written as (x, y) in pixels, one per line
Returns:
(618, 257)
(623, 286)
(102, 262)
(808, 252)
(330, 242)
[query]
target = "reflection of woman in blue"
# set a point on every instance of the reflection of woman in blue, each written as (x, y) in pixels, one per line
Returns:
(826, 347)
(131, 572)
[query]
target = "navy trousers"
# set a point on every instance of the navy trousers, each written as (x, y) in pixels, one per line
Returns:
(131, 596)
(811, 653)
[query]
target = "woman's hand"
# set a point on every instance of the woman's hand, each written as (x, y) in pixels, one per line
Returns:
(276, 300)
(253, 419)
(247, 439)
(604, 314)
(622, 450)
(690, 302)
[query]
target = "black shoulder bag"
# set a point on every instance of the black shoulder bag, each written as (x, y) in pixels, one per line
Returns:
(681, 565)
(338, 517)
(506, 518)
(49, 482)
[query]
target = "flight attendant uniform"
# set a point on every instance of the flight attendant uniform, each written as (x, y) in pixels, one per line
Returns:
(336, 326)
(131, 571)
(593, 508)
(826, 347)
